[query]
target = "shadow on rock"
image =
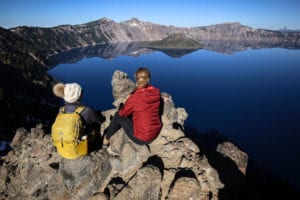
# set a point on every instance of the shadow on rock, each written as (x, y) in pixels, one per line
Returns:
(241, 177)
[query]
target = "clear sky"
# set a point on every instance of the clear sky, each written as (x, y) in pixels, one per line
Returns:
(269, 14)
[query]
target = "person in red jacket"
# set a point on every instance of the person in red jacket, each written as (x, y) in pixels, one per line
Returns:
(140, 115)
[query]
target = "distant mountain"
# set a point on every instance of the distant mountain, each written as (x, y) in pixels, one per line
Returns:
(289, 31)
(54, 40)
(286, 30)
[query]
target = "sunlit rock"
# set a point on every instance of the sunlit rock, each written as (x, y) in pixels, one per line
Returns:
(171, 167)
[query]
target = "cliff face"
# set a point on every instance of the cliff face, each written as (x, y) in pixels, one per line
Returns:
(25, 96)
(24, 84)
(103, 31)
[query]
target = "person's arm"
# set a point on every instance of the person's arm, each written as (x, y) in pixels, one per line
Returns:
(100, 116)
(128, 107)
(90, 118)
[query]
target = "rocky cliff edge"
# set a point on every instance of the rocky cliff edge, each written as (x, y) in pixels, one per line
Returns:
(171, 167)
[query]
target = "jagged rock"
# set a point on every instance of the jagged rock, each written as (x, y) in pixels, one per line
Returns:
(99, 196)
(187, 188)
(83, 177)
(144, 185)
(230, 162)
(31, 170)
(122, 86)
(175, 151)
(3, 177)
(170, 166)
(20, 135)
(37, 132)
(240, 158)
(170, 113)
(129, 157)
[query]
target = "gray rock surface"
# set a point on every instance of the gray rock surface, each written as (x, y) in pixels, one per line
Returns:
(171, 167)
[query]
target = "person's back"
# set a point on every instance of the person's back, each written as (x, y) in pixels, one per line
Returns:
(76, 123)
(140, 114)
(66, 131)
(144, 106)
(89, 116)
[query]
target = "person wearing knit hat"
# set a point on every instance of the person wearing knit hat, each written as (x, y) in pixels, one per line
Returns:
(71, 93)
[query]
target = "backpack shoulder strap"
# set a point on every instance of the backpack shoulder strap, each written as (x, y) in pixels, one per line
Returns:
(62, 109)
(79, 109)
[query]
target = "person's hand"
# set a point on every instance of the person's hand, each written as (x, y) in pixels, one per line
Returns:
(121, 106)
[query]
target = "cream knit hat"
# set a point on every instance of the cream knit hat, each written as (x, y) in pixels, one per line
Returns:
(58, 90)
(72, 92)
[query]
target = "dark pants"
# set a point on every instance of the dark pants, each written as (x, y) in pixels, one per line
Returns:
(126, 123)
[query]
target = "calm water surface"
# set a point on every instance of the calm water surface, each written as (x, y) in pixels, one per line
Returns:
(252, 96)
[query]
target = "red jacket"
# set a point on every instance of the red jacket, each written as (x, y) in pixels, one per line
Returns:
(144, 105)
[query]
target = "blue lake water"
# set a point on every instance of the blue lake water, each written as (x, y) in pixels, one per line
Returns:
(251, 96)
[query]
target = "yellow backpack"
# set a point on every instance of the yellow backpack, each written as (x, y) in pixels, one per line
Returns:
(66, 131)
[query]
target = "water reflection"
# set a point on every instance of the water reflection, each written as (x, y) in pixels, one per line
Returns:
(110, 51)
(106, 51)
(231, 47)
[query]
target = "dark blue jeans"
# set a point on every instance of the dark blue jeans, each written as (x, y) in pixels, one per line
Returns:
(126, 123)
